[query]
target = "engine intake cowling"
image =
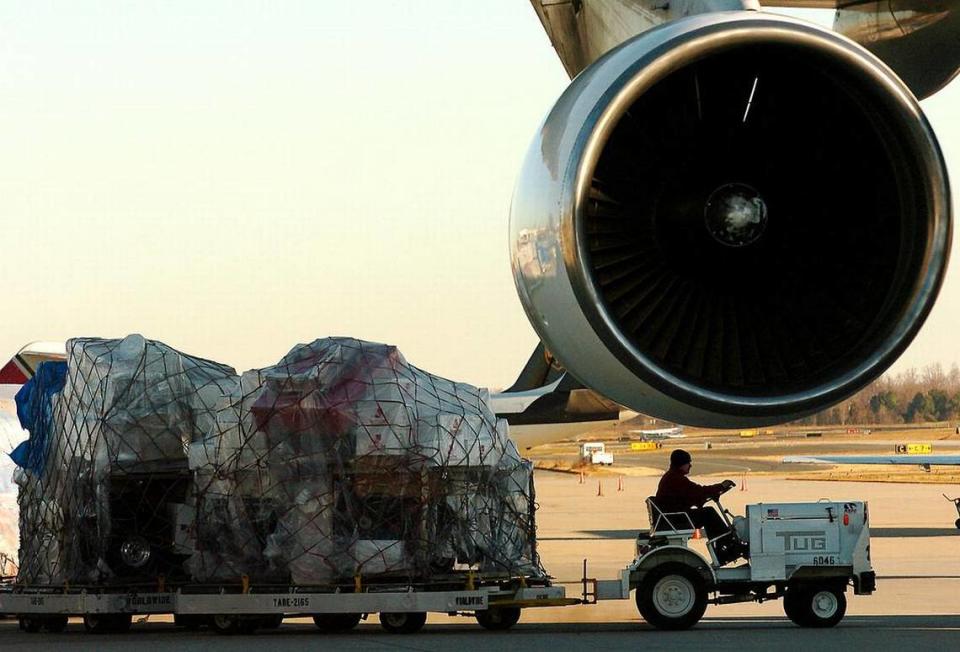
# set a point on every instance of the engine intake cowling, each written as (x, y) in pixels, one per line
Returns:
(731, 220)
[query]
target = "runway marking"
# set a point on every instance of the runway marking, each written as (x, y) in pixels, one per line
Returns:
(918, 577)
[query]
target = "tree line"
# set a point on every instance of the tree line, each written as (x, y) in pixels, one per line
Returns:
(911, 396)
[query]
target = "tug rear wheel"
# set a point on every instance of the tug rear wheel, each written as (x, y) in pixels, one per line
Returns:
(498, 618)
(793, 608)
(406, 622)
(673, 596)
(815, 606)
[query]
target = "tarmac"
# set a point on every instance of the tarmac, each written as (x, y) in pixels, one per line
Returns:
(915, 550)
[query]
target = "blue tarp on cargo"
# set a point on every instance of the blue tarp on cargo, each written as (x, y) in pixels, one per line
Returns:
(35, 411)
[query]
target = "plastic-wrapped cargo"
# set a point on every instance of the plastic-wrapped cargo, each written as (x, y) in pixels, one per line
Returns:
(345, 460)
(108, 455)
(340, 460)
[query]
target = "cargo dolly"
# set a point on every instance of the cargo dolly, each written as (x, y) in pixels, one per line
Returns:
(495, 602)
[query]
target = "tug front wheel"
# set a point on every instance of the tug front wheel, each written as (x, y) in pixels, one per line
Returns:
(672, 596)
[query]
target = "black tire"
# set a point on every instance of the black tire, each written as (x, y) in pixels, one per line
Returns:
(229, 624)
(120, 623)
(30, 624)
(957, 523)
(248, 625)
(96, 623)
(333, 623)
(224, 624)
(107, 623)
(406, 622)
(55, 624)
(271, 621)
(815, 606)
(793, 606)
(188, 621)
(672, 596)
(498, 618)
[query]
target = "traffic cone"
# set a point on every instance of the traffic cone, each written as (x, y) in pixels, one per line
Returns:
(599, 488)
(696, 533)
(620, 483)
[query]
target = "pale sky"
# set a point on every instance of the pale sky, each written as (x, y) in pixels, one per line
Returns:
(236, 177)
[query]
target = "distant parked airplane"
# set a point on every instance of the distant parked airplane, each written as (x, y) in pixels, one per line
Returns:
(661, 433)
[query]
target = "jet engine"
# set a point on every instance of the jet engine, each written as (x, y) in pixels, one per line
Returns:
(732, 219)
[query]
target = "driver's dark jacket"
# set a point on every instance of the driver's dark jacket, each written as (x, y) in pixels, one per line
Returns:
(677, 493)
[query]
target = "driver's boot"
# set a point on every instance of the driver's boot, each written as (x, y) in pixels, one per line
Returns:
(726, 550)
(730, 548)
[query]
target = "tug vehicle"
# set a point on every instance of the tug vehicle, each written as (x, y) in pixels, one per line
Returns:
(808, 554)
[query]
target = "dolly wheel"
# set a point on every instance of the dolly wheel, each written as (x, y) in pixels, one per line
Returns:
(498, 618)
(189, 621)
(120, 623)
(107, 623)
(224, 624)
(672, 596)
(230, 624)
(271, 621)
(333, 623)
(404, 622)
(55, 624)
(30, 624)
(957, 523)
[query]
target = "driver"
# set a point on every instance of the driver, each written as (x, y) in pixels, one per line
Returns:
(677, 493)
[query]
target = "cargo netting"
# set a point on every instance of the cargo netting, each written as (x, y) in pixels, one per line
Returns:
(340, 461)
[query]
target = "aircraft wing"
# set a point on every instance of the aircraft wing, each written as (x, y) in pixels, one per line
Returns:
(547, 404)
(911, 460)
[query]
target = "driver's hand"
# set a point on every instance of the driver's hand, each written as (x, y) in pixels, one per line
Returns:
(728, 485)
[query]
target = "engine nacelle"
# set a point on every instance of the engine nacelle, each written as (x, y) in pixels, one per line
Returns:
(730, 220)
